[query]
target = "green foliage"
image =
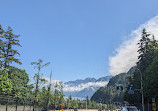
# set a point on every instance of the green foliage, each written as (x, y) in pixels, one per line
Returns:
(60, 91)
(58, 94)
(8, 53)
(19, 79)
(5, 82)
(150, 82)
(44, 97)
(146, 50)
(69, 100)
(94, 105)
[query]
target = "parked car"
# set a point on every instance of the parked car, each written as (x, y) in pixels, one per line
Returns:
(75, 109)
(129, 108)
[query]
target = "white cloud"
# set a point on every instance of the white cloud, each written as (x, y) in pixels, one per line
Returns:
(52, 81)
(126, 55)
(83, 86)
(68, 88)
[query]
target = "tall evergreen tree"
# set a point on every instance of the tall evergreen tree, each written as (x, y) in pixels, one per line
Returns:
(8, 53)
(144, 51)
(150, 80)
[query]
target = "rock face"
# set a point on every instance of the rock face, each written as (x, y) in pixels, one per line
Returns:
(82, 88)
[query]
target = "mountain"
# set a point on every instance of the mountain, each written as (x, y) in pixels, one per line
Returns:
(82, 88)
(79, 81)
(132, 70)
(119, 79)
(110, 93)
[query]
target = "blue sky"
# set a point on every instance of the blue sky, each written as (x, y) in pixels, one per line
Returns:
(76, 36)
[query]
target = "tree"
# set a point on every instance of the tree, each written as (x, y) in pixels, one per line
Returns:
(87, 101)
(56, 96)
(144, 59)
(43, 97)
(146, 50)
(94, 105)
(19, 79)
(5, 86)
(8, 41)
(38, 65)
(69, 101)
(150, 82)
(61, 94)
(5, 82)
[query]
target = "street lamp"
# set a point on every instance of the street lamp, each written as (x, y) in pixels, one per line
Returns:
(141, 88)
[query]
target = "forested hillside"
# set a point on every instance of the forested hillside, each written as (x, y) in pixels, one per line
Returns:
(110, 93)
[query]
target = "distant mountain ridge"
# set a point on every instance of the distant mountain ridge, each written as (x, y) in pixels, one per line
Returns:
(82, 88)
(79, 81)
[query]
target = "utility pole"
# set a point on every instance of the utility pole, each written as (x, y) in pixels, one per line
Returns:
(141, 76)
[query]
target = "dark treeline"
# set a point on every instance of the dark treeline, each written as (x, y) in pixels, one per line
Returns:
(14, 82)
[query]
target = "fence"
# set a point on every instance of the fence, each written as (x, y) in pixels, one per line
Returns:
(14, 104)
